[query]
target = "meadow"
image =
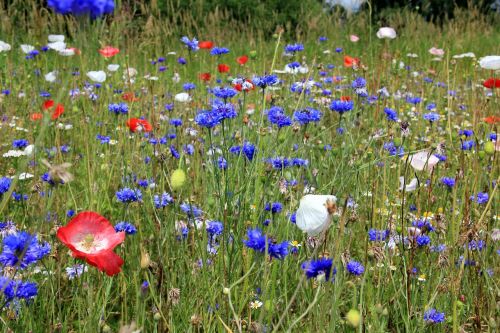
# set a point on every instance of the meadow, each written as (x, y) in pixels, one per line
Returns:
(334, 177)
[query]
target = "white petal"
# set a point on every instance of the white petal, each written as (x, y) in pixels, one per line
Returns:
(386, 32)
(412, 186)
(27, 48)
(67, 52)
(58, 46)
(312, 216)
(113, 67)
(490, 62)
(4, 46)
(183, 97)
(97, 76)
(51, 77)
(422, 159)
(56, 38)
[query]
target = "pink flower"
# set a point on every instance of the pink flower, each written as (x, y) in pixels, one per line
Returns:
(354, 38)
(436, 52)
(423, 160)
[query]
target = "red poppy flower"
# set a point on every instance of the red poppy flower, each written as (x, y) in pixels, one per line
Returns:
(345, 98)
(74, 49)
(109, 51)
(492, 120)
(223, 68)
(206, 44)
(492, 83)
(129, 97)
(49, 104)
(246, 86)
(139, 125)
(91, 237)
(242, 60)
(205, 77)
(36, 116)
(350, 61)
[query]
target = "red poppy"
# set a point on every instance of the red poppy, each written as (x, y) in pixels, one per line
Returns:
(129, 97)
(49, 104)
(36, 116)
(492, 120)
(205, 77)
(139, 125)
(242, 60)
(245, 86)
(206, 44)
(491, 83)
(345, 98)
(91, 237)
(109, 51)
(350, 61)
(74, 49)
(223, 68)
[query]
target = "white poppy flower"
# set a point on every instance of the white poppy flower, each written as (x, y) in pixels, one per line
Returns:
(27, 48)
(464, 55)
(422, 160)
(97, 76)
(313, 216)
(490, 62)
(56, 38)
(386, 32)
(412, 186)
(182, 97)
(67, 52)
(4, 47)
(51, 76)
(113, 67)
(57, 46)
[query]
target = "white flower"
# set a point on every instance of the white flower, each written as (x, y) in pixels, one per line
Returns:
(67, 52)
(176, 78)
(182, 97)
(386, 32)
(464, 55)
(412, 186)
(113, 67)
(412, 55)
(14, 153)
(51, 76)
(56, 38)
(4, 46)
(28, 151)
(313, 216)
(490, 62)
(422, 160)
(24, 175)
(57, 46)
(97, 76)
(27, 48)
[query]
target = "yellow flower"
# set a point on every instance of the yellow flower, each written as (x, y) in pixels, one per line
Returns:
(422, 278)
(295, 244)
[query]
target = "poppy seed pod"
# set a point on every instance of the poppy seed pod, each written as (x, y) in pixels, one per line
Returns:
(314, 213)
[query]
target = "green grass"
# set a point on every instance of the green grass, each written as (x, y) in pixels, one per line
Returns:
(388, 296)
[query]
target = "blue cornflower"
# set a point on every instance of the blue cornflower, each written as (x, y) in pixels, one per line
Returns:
(4, 184)
(292, 48)
(208, 119)
(19, 144)
(430, 106)
(449, 182)
(103, 139)
(300, 162)
(322, 39)
(189, 86)
(129, 228)
(17, 289)
(256, 240)
(188, 149)
(393, 149)
(377, 235)
(276, 115)
(174, 152)
(176, 122)
(476, 245)
(274, 207)
(432, 316)
(279, 162)
(127, 195)
(341, 106)
(482, 198)
(307, 115)
(355, 267)
(224, 92)
(293, 65)
(22, 249)
(493, 136)
(358, 83)
(413, 100)
(215, 228)
(279, 250)
(391, 114)
(424, 225)
(249, 150)
(70, 213)
(192, 45)
(223, 110)
(423, 240)
(293, 217)
(222, 163)
(87, 7)
(265, 81)
(218, 51)
(315, 268)
(162, 201)
(181, 61)
(438, 248)
(191, 210)
(431, 116)
(468, 144)
(466, 132)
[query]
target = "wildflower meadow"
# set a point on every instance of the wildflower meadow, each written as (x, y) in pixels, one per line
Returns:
(161, 176)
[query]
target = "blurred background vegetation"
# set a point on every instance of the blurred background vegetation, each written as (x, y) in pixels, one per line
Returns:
(256, 19)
